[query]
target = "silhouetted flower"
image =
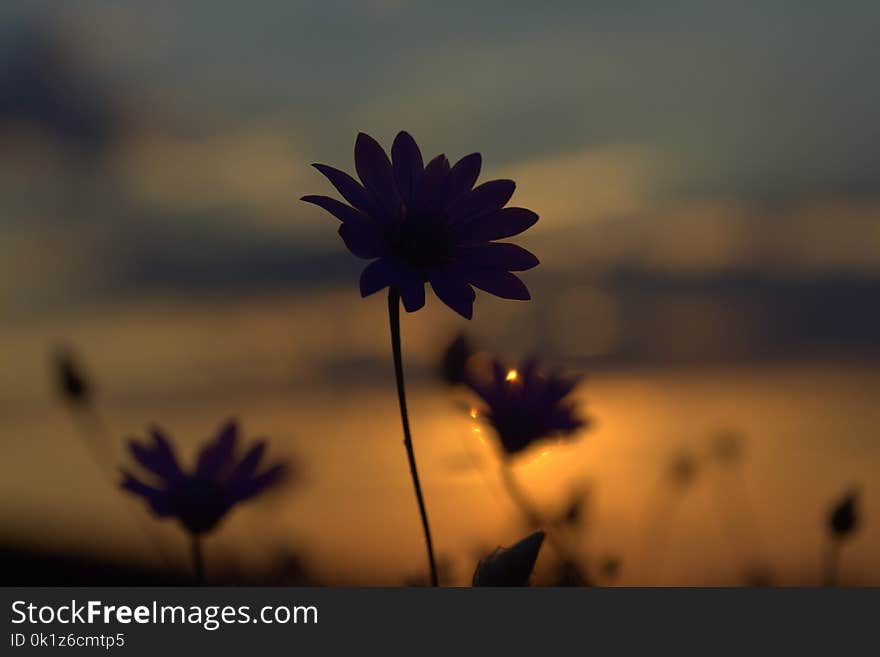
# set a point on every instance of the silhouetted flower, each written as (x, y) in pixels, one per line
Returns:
(455, 360)
(609, 567)
(683, 469)
(758, 577)
(728, 446)
(527, 405)
(568, 574)
(843, 518)
(574, 511)
(427, 223)
(199, 499)
(72, 383)
(510, 566)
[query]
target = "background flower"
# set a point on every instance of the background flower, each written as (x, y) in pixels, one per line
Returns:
(201, 498)
(427, 223)
(843, 518)
(527, 405)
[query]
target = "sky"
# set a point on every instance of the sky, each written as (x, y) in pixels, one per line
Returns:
(643, 109)
(744, 100)
(706, 175)
(694, 140)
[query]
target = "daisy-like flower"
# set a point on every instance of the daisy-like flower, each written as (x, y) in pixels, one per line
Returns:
(199, 499)
(527, 405)
(428, 223)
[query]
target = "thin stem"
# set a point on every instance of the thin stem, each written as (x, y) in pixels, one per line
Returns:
(530, 510)
(394, 321)
(97, 438)
(519, 497)
(832, 563)
(738, 520)
(198, 559)
(655, 526)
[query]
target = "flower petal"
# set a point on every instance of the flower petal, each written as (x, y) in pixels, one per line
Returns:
(255, 485)
(159, 500)
(362, 239)
(374, 169)
(338, 209)
(159, 457)
(500, 283)
(410, 284)
(407, 165)
(454, 292)
(560, 386)
(463, 176)
(498, 255)
(499, 373)
(351, 190)
(248, 465)
(507, 222)
(376, 276)
(216, 455)
(430, 195)
(361, 235)
(413, 296)
(485, 199)
(438, 168)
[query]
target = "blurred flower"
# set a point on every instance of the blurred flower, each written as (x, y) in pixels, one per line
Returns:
(455, 360)
(201, 498)
(728, 446)
(758, 577)
(843, 519)
(683, 468)
(527, 405)
(70, 380)
(610, 567)
(510, 566)
(427, 223)
(568, 574)
(574, 512)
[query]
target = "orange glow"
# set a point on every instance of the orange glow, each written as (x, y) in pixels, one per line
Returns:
(474, 413)
(512, 375)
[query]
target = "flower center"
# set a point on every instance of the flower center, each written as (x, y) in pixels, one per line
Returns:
(517, 427)
(422, 240)
(200, 502)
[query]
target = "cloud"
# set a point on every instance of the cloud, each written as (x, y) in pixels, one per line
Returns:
(593, 184)
(608, 208)
(253, 171)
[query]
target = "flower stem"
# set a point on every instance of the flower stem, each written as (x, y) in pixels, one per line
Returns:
(832, 564)
(198, 559)
(534, 517)
(96, 437)
(394, 321)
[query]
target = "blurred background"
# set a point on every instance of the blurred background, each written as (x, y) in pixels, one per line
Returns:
(709, 190)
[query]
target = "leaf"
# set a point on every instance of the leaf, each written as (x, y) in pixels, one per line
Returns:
(510, 566)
